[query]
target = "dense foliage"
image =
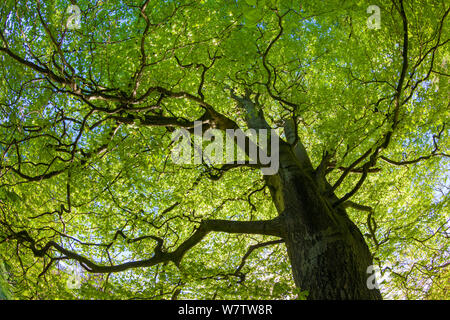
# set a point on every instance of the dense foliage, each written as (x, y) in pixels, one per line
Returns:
(86, 116)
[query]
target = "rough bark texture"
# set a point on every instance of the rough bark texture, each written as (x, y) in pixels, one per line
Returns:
(328, 253)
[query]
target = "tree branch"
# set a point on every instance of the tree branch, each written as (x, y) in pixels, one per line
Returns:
(268, 227)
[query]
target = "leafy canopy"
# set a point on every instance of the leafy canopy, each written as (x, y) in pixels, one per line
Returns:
(86, 117)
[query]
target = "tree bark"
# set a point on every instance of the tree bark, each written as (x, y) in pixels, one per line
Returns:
(328, 254)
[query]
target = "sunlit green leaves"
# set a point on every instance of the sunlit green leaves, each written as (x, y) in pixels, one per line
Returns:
(341, 75)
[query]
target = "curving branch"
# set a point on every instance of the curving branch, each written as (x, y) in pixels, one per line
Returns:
(237, 272)
(395, 118)
(267, 227)
(357, 206)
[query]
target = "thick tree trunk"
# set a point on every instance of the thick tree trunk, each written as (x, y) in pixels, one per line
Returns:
(328, 253)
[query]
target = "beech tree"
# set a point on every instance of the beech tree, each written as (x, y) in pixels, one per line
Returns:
(93, 92)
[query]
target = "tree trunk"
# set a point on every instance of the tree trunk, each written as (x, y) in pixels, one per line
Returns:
(328, 254)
